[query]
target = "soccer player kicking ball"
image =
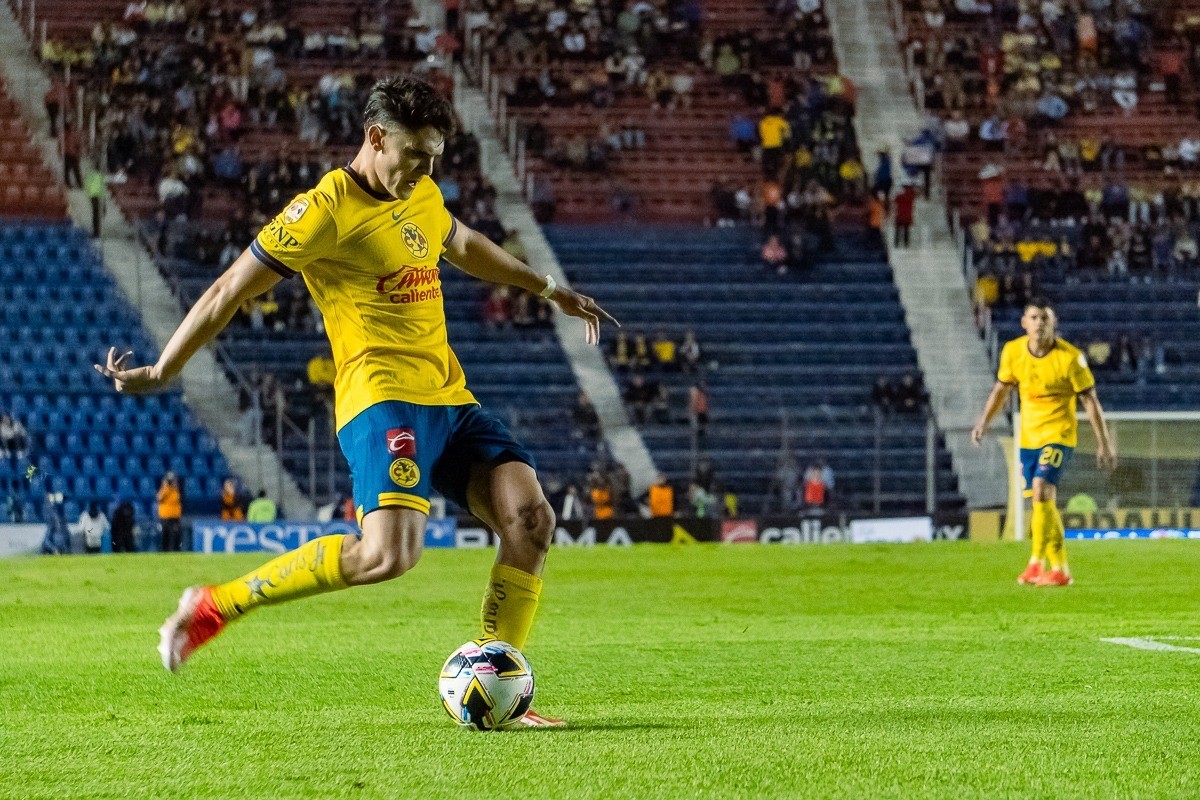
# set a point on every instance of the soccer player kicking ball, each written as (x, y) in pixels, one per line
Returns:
(1049, 374)
(367, 241)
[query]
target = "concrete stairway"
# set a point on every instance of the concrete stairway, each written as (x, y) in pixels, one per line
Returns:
(205, 386)
(587, 362)
(929, 275)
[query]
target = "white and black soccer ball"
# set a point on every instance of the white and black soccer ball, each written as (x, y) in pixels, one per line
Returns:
(486, 685)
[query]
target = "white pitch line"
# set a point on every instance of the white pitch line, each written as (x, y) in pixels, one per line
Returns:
(1139, 643)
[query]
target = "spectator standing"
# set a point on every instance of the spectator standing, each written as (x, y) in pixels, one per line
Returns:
(170, 513)
(911, 396)
(572, 505)
(664, 349)
(638, 398)
(55, 101)
(815, 490)
(602, 498)
(93, 187)
(828, 477)
(689, 353)
(704, 503)
(14, 441)
(883, 180)
(57, 540)
(902, 219)
(231, 504)
(123, 518)
(587, 421)
(262, 508)
(698, 410)
(661, 497)
(774, 134)
(93, 525)
(72, 150)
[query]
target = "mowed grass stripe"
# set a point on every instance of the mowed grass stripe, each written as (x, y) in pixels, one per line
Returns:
(906, 671)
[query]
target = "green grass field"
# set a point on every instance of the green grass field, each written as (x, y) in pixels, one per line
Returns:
(863, 671)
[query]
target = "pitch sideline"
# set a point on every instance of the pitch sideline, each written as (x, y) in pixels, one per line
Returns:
(1140, 643)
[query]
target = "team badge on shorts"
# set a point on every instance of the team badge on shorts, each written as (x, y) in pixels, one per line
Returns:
(405, 473)
(296, 210)
(414, 240)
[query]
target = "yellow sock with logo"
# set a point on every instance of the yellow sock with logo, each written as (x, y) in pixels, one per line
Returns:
(510, 603)
(1039, 527)
(1056, 550)
(311, 569)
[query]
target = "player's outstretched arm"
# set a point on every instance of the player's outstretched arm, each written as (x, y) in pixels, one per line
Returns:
(994, 403)
(245, 279)
(1106, 450)
(476, 255)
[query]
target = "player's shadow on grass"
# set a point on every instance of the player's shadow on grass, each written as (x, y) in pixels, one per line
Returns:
(616, 725)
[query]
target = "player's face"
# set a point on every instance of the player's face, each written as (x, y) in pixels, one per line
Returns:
(406, 156)
(1038, 323)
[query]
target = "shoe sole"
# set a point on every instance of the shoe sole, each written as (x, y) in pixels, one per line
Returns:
(532, 720)
(171, 651)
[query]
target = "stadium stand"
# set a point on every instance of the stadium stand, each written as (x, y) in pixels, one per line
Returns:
(1069, 157)
(634, 121)
(806, 347)
(27, 189)
(277, 113)
(200, 172)
(58, 311)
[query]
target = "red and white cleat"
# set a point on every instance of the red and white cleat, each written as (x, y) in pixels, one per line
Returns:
(195, 622)
(1032, 574)
(1055, 577)
(532, 720)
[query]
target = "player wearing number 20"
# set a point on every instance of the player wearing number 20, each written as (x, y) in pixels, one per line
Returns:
(1049, 375)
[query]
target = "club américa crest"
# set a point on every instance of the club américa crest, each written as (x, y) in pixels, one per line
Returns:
(414, 240)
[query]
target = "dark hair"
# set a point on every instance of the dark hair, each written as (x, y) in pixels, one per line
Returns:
(409, 102)
(1041, 302)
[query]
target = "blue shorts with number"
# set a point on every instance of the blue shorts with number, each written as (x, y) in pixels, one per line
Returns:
(1045, 462)
(398, 452)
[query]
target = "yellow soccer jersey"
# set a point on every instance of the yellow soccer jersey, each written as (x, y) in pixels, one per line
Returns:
(371, 263)
(1048, 387)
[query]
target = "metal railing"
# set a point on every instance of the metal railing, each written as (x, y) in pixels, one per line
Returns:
(283, 425)
(791, 438)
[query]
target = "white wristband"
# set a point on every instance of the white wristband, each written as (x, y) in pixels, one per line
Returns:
(551, 285)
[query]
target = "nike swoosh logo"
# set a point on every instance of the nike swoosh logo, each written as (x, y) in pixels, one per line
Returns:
(396, 217)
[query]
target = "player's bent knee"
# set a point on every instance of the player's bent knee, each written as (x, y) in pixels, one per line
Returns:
(536, 525)
(391, 545)
(1044, 491)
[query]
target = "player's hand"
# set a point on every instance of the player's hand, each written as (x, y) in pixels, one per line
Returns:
(130, 380)
(574, 304)
(1106, 458)
(977, 434)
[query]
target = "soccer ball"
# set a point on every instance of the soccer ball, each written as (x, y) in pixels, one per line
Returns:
(486, 685)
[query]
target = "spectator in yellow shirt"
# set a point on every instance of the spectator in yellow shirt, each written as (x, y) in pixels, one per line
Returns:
(773, 134)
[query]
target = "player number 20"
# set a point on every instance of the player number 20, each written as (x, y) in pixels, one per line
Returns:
(1052, 457)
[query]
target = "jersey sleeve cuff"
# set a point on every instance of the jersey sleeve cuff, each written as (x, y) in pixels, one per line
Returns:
(271, 261)
(453, 230)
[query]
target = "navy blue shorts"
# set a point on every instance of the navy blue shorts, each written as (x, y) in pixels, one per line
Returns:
(1046, 463)
(399, 452)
